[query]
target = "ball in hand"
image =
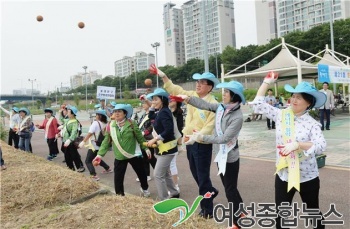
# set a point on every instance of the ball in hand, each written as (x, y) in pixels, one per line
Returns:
(95, 163)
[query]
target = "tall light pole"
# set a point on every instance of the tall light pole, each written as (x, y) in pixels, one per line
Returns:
(136, 83)
(32, 81)
(85, 67)
(156, 45)
(332, 37)
(216, 65)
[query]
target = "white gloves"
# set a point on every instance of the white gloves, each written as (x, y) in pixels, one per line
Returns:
(288, 148)
(81, 144)
(148, 152)
(196, 137)
(271, 77)
(184, 97)
(67, 143)
(60, 127)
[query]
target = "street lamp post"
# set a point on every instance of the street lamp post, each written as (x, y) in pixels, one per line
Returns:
(32, 81)
(216, 64)
(85, 67)
(156, 45)
(136, 84)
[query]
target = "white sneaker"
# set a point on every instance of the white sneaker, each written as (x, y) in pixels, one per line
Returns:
(137, 179)
(145, 193)
(177, 188)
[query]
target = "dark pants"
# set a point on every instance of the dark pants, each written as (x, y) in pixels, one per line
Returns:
(230, 180)
(53, 148)
(2, 160)
(199, 157)
(63, 149)
(119, 173)
(13, 136)
(327, 113)
(268, 121)
(309, 192)
(147, 162)
(71, 155)
(88, 161)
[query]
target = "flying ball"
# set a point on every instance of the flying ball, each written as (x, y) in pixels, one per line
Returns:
(81, 25)
(39, 18)
(148, 82)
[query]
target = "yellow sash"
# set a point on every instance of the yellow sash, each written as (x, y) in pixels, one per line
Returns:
(292, 160)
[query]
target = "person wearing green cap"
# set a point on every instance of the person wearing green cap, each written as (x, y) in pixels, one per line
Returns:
(15, 120)
(50, 125)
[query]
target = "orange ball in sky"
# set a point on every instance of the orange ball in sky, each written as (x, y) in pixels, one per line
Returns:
(39, 18)
(81, 25)
(148, 82)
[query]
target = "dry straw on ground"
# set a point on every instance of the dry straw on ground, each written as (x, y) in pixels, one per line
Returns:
(36, 193)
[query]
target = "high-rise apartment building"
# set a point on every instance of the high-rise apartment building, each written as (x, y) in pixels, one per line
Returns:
(184, 37)
(219, 24)
(126, 66)
(303, 15)
(80, 79)
(174, 35)
(266, 21)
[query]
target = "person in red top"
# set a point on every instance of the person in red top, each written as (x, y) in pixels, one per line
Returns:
(50, 126)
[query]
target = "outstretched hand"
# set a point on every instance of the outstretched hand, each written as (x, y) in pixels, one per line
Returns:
(178, 98)
(155, 71)
(271, 77)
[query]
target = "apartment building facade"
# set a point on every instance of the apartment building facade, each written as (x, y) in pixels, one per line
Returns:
(128, 65)
(80, 79)
(303, 15)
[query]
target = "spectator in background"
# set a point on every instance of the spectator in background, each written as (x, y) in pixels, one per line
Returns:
(3, 166)
(270, 99)
(15, 120)
(50, 126)
(24, 131)
(325, 110)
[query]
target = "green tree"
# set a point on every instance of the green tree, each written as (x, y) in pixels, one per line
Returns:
(38, 104)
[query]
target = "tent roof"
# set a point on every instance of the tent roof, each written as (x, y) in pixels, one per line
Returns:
(328, 59)
(285, 63)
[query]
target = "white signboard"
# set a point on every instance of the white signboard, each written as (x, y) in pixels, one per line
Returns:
(333, 74)
(105, 92)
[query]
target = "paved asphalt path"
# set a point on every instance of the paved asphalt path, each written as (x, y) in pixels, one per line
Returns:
(255, 181)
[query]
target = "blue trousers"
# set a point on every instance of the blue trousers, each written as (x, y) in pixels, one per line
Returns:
(199, 157)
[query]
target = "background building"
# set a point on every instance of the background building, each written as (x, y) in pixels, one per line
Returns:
(80, 79)
(173, 35)
(184, 36)
(304, 15)
(126, 66)
(266, 21)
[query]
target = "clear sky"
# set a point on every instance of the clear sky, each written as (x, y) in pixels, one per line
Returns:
(53, 50)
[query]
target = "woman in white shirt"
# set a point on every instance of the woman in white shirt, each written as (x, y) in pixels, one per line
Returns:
(96, 129)
(15, 120)
(299, 140)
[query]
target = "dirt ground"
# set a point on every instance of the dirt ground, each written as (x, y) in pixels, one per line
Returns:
(38, 194)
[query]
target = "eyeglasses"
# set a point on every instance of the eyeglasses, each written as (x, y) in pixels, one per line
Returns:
(202, 82)
(117, 111)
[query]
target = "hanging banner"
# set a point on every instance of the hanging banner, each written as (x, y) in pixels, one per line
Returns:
(333, 74)
(105, 92)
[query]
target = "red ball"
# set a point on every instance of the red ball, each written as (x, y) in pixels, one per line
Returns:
(81, 25)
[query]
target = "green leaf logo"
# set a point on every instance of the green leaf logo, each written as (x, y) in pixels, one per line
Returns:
(166, 206)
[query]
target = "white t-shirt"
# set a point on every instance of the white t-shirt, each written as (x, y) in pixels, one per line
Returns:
(95, 129)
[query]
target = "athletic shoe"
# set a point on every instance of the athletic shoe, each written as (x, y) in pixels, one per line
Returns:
(95, 178)
(49, 158)
(145, 193)
(81, 169)
(107, 171)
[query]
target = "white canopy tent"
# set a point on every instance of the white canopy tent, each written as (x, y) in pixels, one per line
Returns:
(285, 64)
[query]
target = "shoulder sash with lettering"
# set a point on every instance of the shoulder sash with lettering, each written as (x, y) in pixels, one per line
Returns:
(221, 157)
